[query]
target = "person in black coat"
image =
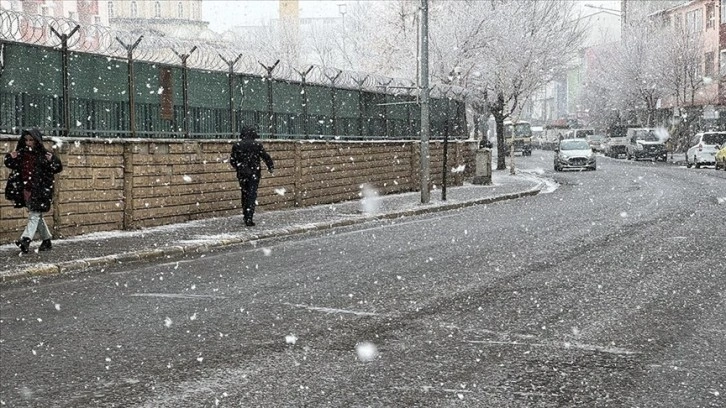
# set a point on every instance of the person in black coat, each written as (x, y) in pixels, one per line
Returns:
(245, 158)
(31, 183)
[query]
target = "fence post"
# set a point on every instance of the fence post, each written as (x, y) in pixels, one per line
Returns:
(230, 83)
(272, 126)
(306, 120)
(128, 171)
(385, 106)
(360, 104)
(64, 72)
(298, 174)
(185, 88)
(132, 90)
(334, 112)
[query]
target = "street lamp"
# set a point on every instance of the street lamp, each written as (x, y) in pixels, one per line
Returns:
(622, 13)
(342, 9)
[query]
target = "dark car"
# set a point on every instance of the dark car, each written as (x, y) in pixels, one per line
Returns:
(644, 143)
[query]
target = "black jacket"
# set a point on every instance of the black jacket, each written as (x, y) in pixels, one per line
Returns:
(246, 156)
(43, 174)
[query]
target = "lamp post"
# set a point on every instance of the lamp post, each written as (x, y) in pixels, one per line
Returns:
(424, 89)
(342, 9)
(622, 13)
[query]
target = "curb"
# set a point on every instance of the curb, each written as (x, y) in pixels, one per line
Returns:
(66, 267)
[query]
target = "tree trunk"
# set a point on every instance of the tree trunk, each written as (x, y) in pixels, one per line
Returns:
(497, 110)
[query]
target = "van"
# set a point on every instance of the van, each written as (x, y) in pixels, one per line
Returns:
(522, 139)
(644, 143)
(615, 141)
(703, 148)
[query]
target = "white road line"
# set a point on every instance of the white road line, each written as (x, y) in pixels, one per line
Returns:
(331, 310)
(565, 345)
(177, 296)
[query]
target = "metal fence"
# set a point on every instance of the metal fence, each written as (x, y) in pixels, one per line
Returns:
(93, 82)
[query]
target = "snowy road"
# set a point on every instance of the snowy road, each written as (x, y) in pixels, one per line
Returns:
(609, 290)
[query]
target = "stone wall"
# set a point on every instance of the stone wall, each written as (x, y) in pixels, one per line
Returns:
(122, 184)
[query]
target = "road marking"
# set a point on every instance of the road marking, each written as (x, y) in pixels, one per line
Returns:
(331, 310)
(177, 296)
(566, 345)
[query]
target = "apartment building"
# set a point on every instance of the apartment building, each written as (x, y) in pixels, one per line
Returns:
(704, 23)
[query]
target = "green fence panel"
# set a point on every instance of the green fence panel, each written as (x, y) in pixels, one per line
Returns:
(97, 77)
(208, 89)
(252, 93)
(319, 100)
(31, 95)
(286, 97)
(31, 88)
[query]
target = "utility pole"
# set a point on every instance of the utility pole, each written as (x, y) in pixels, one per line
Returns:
(425, 124)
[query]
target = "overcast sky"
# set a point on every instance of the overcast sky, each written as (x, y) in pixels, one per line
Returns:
(223, 14)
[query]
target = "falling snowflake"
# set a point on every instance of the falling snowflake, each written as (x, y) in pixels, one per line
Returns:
(291, 339)
(187, 178)
(367, 351)
(280, 191)
(167, 322)
(371, 201)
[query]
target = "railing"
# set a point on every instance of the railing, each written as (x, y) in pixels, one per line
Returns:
(203, 90)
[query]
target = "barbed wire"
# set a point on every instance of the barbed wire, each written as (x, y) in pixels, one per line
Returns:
(206, 55)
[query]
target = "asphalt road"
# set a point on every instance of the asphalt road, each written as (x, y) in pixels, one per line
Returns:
(608, 292)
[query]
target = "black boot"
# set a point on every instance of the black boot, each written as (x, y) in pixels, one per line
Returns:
(45, 245)
(23, 244)
(249, 222)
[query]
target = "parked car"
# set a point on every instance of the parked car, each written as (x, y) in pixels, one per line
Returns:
(597, 143)
(579, 133)
(704, 146)
(721, 158)
(615, 143)
(574, 154)
(644, 143)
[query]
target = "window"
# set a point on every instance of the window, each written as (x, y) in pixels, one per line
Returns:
(723, 11)
(157, 9)
(134, 10)
(110, 10)
(694, 21)
(710, 15)
(722, 61)
(180, 7)
(708, 63)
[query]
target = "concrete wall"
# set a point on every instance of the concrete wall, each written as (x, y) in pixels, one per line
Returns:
(121, 184)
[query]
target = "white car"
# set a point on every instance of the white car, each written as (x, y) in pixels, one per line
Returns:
(704, 147)
(574, 154)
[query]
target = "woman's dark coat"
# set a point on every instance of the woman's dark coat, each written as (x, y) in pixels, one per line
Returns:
(42, 189)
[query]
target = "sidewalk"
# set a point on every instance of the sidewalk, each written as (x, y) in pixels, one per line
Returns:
(99, 249)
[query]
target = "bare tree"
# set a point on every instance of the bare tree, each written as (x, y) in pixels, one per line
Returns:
(505, 50)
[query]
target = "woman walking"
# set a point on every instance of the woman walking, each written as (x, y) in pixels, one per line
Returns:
(31, 184)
